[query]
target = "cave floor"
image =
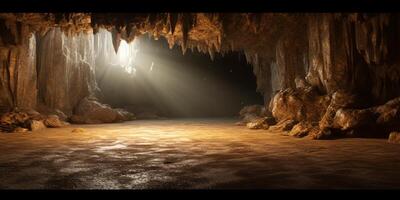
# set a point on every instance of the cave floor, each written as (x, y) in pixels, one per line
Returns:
(191, 153)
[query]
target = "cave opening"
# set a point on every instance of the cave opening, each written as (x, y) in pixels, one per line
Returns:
(152, 80)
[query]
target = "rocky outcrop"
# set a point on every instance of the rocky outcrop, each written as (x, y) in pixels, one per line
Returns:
(303, 104)
(22, 120)
(90, 111)
(335, 71)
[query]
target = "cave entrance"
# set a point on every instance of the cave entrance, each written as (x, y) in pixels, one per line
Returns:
(150, 79)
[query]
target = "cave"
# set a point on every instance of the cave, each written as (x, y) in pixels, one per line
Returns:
(199, 100)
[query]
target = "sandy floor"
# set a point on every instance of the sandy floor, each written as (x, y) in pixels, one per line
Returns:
(191, 154)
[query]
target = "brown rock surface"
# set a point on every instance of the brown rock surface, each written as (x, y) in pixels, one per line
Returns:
(36, 125)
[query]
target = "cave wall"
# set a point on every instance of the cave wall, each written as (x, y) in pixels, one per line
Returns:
(65, 69)
(44, 71)
(354, 52)
(18, 82)
(331, 51)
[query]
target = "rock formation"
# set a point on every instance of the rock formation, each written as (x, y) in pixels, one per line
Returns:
(336, 74)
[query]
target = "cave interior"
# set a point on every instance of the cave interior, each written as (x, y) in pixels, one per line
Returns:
(314, 76)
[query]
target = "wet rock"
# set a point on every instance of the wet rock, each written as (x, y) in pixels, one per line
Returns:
(394, 137)
(36, 125)
(52, 121)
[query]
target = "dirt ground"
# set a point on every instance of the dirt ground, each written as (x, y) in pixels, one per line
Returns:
(191, 154)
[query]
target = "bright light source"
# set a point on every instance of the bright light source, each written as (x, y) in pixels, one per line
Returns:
(126, 55)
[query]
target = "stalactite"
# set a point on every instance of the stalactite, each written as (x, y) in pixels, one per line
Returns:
(173, 19)
(116, 37)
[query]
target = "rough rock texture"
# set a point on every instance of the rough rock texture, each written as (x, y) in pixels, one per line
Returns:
(301, 61)
(18, 76)
(90, 111)
(301, 129)
(20, 119)
(303, 104)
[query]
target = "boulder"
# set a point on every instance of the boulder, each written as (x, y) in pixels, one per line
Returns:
(36, 125)
(301, 129)
(258, 124)
(394, 137)
(346, 119)
(52, 121)
(91, 111)
(340, 99)
(301, 104)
